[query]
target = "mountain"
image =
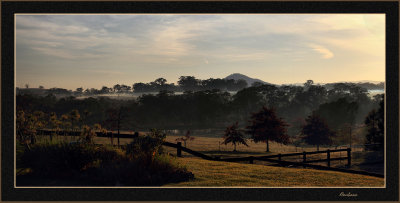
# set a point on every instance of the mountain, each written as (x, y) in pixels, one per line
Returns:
(249, 80)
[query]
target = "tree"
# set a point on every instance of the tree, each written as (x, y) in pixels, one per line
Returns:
(266, 126)
(316, 131)
(188, 83)
(115, 118)
(308, 84)
(375, 125)
(185, 138)
(340, 116)
(79, 90)
(89, 133)
(234, 135)
(160, 81)
(28, 124)
(117, 88)
(338, 113)
(74, 117)
(54, 124)
(105, 90)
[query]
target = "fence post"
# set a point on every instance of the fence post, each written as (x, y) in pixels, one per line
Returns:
(328, 157)
(251, 160)
(179, 149)
(304, 158)
(280, 157)
(349, 157)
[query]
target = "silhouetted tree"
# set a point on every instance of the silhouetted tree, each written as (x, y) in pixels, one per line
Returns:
(115, 118)
(234, 135)
(266, 126)
(79, 90)
(105, 90)
(375, 125)
(316, 131)
(308, 84)
(188, 83)
(338, 112)
(340, 115)
(117, 88)
(54, 124)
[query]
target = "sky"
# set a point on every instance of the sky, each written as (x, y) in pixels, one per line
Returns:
(91, 51)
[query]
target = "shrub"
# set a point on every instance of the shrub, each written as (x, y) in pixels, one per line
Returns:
(105, 165)
(64, 160)
(134, 172)
(146, 146)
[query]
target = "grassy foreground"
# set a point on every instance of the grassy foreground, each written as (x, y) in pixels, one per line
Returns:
(214, 173)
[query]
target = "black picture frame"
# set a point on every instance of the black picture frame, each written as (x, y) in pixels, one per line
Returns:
(10, 193)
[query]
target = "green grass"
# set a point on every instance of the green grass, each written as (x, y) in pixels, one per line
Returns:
(213, 173)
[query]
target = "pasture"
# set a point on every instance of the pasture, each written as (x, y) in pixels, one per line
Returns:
(260, 174)
(224, 174)
(212, 146)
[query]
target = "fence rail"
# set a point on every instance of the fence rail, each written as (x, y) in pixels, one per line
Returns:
(270, 158)
(77, 133)
(250, 159)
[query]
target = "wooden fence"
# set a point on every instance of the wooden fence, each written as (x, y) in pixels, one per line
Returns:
(77, 133)
(251, 159)
(272, 158)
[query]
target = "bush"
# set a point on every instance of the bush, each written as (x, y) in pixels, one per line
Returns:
(146, 146)
(134, 172)
(64, 160)
(141, 165)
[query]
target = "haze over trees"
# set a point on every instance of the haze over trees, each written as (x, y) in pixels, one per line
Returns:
(212, 105)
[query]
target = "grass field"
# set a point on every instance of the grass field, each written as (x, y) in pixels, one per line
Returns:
(210, 173)
(212, 146)
(224, 174)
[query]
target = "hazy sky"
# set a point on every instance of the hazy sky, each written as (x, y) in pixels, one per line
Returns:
(71, 51)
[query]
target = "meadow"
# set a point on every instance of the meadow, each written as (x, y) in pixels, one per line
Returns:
(212, 146)
(223, 174)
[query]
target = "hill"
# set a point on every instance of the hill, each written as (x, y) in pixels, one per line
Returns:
(249, 80)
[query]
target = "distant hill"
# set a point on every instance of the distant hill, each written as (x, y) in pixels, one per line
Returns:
(249, 80)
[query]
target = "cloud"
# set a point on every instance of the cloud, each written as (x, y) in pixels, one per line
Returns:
(326, 53)
(140, 45)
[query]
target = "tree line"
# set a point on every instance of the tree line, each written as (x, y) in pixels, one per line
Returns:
(185, 83)
(343, 108)
(265, 126)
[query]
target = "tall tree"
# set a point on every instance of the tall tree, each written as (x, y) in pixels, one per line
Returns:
(79, 90)
(375, 125)
(188, 83)
(117, 88)
(266, 126)
(115, 118)
(316, 131)
(340, 116)
(234, 135)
